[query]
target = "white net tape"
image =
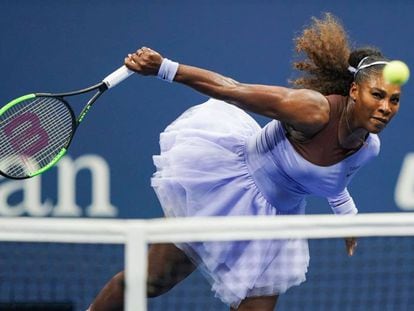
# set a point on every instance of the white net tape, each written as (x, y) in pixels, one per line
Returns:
(137, 234)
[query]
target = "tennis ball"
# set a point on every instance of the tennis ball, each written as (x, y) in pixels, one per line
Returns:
(396, 72)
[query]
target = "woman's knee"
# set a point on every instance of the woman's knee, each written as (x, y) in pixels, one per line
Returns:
(263, 303)
(111, 297)
(119, 280)
(158, 286)
(167, 266)
(155, 286)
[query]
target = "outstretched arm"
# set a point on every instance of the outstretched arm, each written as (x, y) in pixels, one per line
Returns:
(306, 110)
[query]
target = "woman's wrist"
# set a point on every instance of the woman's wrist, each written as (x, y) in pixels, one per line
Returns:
(168, 70)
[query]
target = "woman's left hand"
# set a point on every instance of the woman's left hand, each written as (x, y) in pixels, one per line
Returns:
(351, 244)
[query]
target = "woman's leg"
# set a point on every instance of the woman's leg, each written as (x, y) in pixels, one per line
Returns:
(265, 303)
(167, 265)
(111, 297)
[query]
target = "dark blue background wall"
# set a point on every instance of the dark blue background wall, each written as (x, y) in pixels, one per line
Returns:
(62, 45)
(59, 45)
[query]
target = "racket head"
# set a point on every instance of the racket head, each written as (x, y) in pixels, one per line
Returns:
(35, 132)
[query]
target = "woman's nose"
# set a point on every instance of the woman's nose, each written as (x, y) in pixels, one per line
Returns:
(385, 107)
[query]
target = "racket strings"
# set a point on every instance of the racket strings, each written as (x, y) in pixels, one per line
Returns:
(24, 107)
(21, 129)
(49, 119)
(20, 163)
(32, 133)
(46, 124)
(27, 109)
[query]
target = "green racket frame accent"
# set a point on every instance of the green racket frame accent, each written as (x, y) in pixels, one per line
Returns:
(16, 101)
(51, 164)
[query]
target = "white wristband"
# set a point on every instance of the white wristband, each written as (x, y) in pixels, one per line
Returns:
(168, 70)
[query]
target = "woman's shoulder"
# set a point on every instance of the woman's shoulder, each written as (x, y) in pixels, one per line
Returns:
(336, 97)
(336, 101)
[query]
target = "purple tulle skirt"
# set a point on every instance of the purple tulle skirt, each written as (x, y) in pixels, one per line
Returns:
(201, 171)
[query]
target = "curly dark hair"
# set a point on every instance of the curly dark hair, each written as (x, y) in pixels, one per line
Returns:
(326, 54)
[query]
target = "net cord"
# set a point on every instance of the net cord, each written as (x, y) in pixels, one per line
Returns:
(136, 234)
(194, 229)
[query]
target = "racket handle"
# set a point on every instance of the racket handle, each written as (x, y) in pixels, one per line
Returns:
(117, 76)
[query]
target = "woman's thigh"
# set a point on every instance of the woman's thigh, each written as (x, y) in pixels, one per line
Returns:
(264, 303)
(167, 266)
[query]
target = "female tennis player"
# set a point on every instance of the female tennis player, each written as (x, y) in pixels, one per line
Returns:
(216, 160)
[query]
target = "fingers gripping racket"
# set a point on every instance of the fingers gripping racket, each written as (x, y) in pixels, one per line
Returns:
(37, 129)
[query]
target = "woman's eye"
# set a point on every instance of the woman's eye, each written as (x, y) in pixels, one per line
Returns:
(378, 95)
(395, 100)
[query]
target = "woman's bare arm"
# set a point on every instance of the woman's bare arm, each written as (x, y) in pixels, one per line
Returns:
(306, 110)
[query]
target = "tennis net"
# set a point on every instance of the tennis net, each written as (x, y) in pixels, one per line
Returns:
(62, 263)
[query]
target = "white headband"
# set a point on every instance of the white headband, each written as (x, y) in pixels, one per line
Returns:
(360, 66)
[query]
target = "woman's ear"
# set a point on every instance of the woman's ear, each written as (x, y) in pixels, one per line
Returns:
(353, 91)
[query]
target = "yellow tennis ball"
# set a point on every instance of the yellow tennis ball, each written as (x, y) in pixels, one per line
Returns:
(396, 72)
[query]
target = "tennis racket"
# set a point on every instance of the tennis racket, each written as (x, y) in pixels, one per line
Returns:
(37, 129)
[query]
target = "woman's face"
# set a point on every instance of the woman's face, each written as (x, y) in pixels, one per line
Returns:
(376, 103)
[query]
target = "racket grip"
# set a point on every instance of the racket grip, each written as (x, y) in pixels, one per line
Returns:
(117, 76)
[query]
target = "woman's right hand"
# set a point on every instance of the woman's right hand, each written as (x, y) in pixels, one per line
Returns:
(144, 61)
